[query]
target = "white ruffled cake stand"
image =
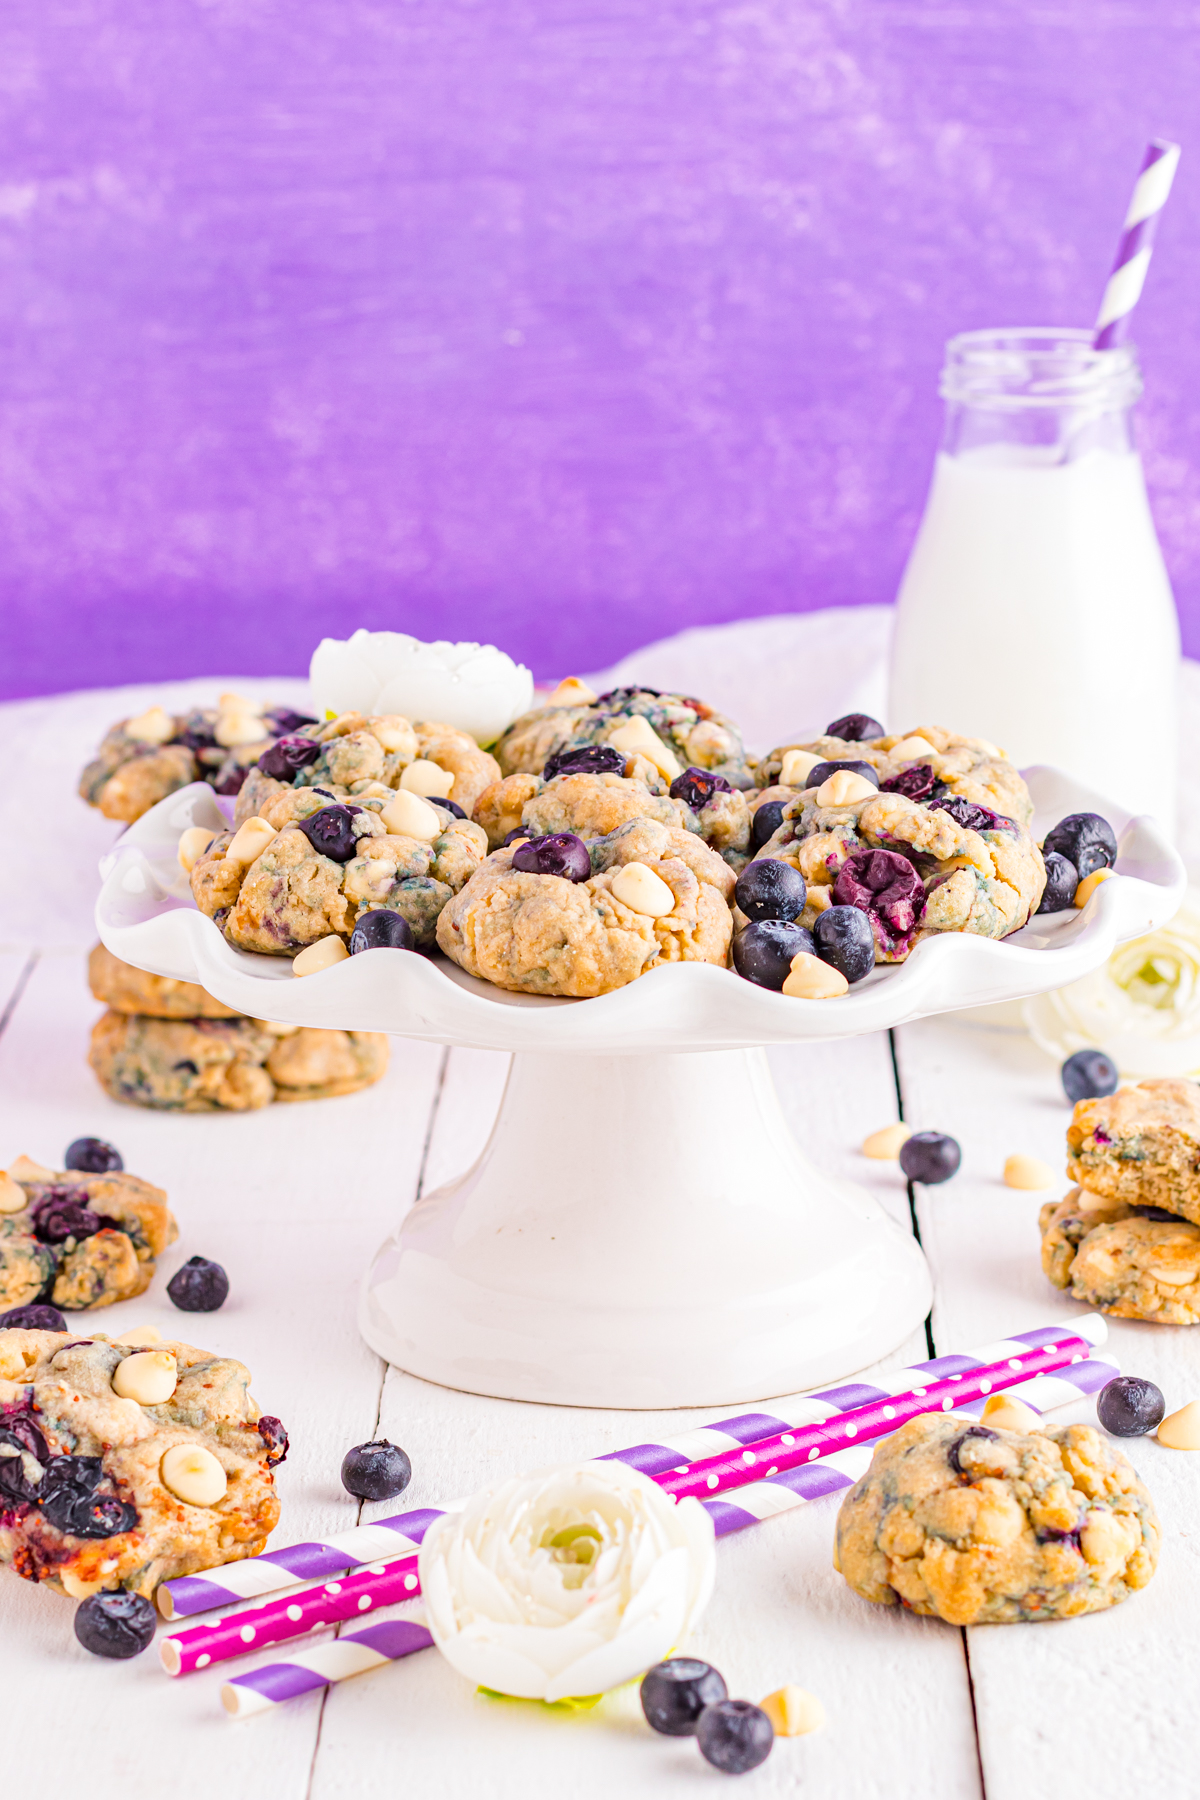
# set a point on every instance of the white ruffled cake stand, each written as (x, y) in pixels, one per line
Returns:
(641, 1230)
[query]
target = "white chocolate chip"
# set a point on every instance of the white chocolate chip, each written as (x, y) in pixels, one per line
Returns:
(13, 1198)
(639, 888)
(1004, 1412)
(141, 1334)
(572, 692)
(154, 726)
(1171, 1277)
(321, 955)
(249, 841)
(812, 979)
(819, 898)
(410, 816)
(279, 1031)
(1089, 884)
(884, 1145)
(1097, 1203)
(793, 1711)
(424, 777)
(1181, 1430)
(193, 1474)
(911, 749)
(797, 766)
(148, 1376)
(77, 1588)
(235, 729)
(844, 788)
(1027, 1172)
(392, 732)
(637, 737)
(25, 1169)
(192, 845)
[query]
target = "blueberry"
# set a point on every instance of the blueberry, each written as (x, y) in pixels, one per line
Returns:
(116, 1624)
(696, 787)
(286, 721)
(1159, 1214)
(585, 759)
(930, 1156)
(855, 728)
(843, 937)
(1130, 1406)
(20, 1435)
(1089, 1075)
(1086, 840)
(970, 816)
(562, 853)
(32, 1318)
(763, 952)
(199, 1286)
(674, 1694)
(918, 782)
(376, 1471)
(61, 1214)
(823, 770)
(287, 756)
(331, 831)
(766, 822)
(734, 1736)
(521, 831)
(883, 884)
(450, 806)
(231, 779)
(93, 1156)
(69, 1497)
(380, 929)
(621, 697)
(1062, 878)
(274, 1435)
(771, 890)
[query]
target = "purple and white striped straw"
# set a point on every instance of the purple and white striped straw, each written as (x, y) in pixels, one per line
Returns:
(1128, 277)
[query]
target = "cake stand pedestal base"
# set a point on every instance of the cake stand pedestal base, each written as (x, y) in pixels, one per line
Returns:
(642, 1231)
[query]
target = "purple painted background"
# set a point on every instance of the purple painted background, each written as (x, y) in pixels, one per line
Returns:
(558, 324)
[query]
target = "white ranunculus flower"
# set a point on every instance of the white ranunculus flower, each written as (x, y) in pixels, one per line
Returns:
(1142, 1007)
(567, 1583)
(474, 686)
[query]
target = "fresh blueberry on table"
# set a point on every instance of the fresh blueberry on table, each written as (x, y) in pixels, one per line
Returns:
(765, 823)
(1130, 1406)
(93, 1156)
(381, 929)
(843, 938)
(331, 832)
(1089, 1075)
(763, 952)
(561, 853)
(199, 1286)
(288, 756)
(585, 759)
(1085, 839)
(1062, 878)
(376, 1471)
(930, 1156)
(734, 1736)
(771, 890)
(822, 771)
(674, 1694)
(696, 787)
(116, 1624)
(855, 728)
(32, 1318)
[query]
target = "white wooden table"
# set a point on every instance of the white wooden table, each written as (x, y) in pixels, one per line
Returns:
(294, 1199)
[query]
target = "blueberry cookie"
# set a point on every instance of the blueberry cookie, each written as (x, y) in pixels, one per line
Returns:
(927, 764)
(673, 730)
(1134, 1264)
(1140, 1145)
(229, 1065)
(143, 759)
(79, 1240)
(986, 1527)
(121, 1467)
(128, 990)
(592, 802)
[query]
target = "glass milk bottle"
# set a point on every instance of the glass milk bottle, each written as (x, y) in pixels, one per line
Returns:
(1035, 609)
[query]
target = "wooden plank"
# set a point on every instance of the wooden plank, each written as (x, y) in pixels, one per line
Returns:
(1073, 1707)
(780, 1612)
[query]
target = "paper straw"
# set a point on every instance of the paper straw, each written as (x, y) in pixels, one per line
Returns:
(353, 1654)
(298, 1613)
(318, 1559)
(1128, 277)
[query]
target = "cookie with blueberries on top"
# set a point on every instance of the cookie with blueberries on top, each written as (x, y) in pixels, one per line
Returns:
(79, 1239)
(673, 731)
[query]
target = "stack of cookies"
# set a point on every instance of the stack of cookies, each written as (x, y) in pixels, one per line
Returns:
(1127, 1238)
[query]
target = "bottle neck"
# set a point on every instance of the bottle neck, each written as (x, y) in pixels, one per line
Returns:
(1040, 396)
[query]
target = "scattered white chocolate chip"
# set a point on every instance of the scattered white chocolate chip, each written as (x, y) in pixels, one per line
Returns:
(192, 845)
(844, 788)
(193, 1474)
(643, 891)
(425, 777)
(392, 731)
(141, 1334)
(1089, 884)
(148, 1376)
(408, 815)
(793, 1711)
(77, 1588)
(884, 1145)
(1181, 1430)
(25, 1169)
(13, 1197)
(797, 766)
(1027, 1172)
(911, 749)
(1006, 1413)
(321, 955)
(572, 692)
(154, 726)
(812, 979)
(249, 841)
(638, 737)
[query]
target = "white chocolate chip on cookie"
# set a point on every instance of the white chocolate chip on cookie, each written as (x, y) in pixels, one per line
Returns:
(154, 726)
(812, 979)
(148, 1376)
(321, 955)
(1027, 1172)
(13, 1198)
(572, 692)
(640, 889)
(844, 788)
(193, 1475)
(797, 766)
(424, 777)
(911, 749)
(884, 1146)
(392, 731)
(79, 1589)
(192, 845)
(408, 815)
(1006, 1413)
(233, 730)
(249, 841)
(1089, 884)
(144, 1335)
(25, 1169)
(637, 737)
